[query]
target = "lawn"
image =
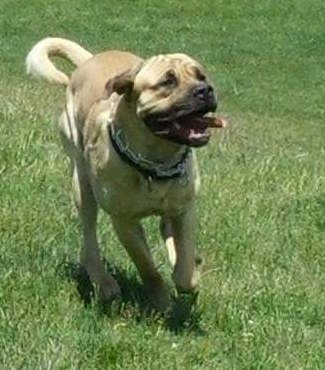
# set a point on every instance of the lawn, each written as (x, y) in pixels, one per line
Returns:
(261, 208)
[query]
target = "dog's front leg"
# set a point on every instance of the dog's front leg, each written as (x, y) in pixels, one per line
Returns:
(90, 254)
(131, 235)
(179, 234)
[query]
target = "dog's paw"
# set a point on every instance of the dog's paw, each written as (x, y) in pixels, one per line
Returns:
(159, 295)
(109, 289)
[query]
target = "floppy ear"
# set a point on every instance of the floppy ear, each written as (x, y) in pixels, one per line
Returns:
(123, 83)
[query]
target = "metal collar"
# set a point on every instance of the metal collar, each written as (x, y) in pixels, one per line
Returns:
(149, 169)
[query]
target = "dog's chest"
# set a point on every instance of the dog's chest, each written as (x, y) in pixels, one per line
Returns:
(123, 191)
(140, 197)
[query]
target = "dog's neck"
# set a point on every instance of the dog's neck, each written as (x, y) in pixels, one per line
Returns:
(141, 140)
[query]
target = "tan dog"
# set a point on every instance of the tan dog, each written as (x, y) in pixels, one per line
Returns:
(128, 126)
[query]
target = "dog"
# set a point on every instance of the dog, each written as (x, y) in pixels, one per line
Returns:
(129, 126)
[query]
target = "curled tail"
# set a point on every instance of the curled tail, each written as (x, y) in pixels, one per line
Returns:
(38, 61)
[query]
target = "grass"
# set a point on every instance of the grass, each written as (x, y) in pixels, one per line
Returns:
(261, 208)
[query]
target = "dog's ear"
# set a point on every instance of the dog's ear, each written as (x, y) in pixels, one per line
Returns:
(123, 83)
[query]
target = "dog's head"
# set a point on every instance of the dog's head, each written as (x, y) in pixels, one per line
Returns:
(172, 95)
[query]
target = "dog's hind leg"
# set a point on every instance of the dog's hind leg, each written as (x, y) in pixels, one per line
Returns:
(166, 232)
(131, 235)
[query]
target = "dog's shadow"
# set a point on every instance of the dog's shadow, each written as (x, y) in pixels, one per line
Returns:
(184, 314)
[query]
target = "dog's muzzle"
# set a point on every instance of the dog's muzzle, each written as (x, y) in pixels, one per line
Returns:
(189, 125)
(204, 93)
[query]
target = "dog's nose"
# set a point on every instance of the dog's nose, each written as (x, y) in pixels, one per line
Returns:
(204, 92)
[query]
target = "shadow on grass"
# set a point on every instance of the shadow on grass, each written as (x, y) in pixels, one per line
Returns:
(184, 315)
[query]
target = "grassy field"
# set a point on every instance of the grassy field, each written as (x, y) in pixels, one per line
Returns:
(261, 208)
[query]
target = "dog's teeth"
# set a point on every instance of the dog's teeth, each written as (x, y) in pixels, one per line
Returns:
(196, 135)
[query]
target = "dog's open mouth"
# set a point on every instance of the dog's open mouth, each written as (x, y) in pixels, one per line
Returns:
(192, 129)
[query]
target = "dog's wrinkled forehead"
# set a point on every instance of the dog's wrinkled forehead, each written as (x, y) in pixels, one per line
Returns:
(152, 69)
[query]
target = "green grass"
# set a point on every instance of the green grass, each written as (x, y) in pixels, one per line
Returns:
(261, 208)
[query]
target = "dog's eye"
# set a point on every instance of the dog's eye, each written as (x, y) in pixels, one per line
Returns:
(199, 75)
(170, 80)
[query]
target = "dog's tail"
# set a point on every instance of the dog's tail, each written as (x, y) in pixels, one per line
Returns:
(38, 61)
